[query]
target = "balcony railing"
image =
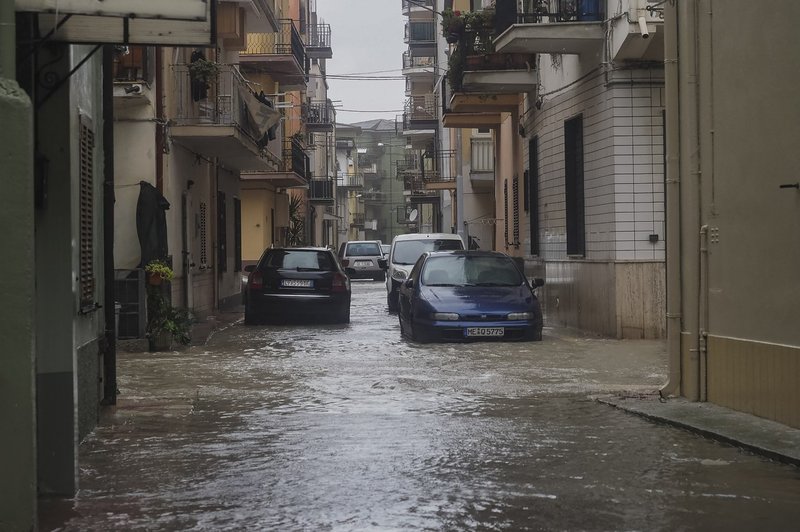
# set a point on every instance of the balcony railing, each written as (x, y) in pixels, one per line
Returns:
(358, 219)
(538, 11)
(408, 5)
(220, 101)
(422, 32)
(321, 190)
(318, 115)
(482, 155)
(346, 180)
(295, 158)
(410, 61)
(285, 41)
(319, 36)
(420, 109)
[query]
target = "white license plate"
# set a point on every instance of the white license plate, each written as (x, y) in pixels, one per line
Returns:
(485, 331)
(362, 263)
(297, 283)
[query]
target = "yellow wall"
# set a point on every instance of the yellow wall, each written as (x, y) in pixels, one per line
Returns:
(257, 206)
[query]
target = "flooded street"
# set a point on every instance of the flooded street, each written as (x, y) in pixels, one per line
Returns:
(331, 427)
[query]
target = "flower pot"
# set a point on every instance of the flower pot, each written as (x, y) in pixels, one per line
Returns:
(154, 278)
(161, 341)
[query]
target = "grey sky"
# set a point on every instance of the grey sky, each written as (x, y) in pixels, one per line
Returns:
(366, 36)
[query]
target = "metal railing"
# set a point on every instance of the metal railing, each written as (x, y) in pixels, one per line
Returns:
(410, 61)
(420, 107)
(358, 219)
(349, 180)
(318, 113)
(482, 155)
(295, 158)
(538, 11)
(420, 32)
(409, 4)
(217, 101)
(321, 190)
(285, 41)
(319, 36)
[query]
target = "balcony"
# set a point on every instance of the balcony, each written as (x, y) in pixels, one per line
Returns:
(476, 110)
(357, 219)
(321, 191)
(411, 7)
(292, 169)
(481, 173)
(551, 27)
(419, 67)
(421, 38)
(133, 71)
(420, 113)
(349, 181)
(222, 118)
(318, 116)
(319, 41)
(282, 55)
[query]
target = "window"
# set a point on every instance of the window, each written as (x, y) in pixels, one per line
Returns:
(222, 234)
(573, 174)
(532, 193)
(86, 200)
(237, 234)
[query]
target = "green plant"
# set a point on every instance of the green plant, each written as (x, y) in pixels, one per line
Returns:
(204, 69)
(162, 317)
(159, 268)
(297, 223)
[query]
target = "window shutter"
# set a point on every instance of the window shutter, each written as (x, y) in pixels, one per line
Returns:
(203, 234)
(222, 234)
(86, 205)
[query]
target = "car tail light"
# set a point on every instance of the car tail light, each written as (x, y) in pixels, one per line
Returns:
(256, 281)
(339, 283)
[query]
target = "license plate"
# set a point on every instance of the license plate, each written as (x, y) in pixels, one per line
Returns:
(362, 263)
(297, 283)
(485, 331)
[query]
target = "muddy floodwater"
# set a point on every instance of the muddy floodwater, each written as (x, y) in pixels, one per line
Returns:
(332, 427)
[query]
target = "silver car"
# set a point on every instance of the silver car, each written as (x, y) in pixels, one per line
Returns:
(360, 259)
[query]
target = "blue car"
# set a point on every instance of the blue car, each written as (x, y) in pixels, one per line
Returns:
(468, 295)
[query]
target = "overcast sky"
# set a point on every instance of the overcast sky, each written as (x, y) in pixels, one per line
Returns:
(366, 36)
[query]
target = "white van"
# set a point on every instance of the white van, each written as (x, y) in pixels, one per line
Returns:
(405, 251)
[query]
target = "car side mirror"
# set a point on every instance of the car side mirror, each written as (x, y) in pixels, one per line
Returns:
(537, 282)
(250, 268)
(409, 283)
(383, 264)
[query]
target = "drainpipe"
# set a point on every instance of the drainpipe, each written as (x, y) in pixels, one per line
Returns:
(159, 119)
(110, 351)
(8, 44)
(673, 206)
(691, 192)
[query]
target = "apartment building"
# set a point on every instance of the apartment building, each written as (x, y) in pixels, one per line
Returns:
(572, 92)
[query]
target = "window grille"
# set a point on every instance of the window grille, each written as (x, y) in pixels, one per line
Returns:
(203, 234)
(86, 252)
(222, 234)
(515, 210)
(505, 210)
(237, 234)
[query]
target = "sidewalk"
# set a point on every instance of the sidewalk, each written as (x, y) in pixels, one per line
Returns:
(761, 436)
(222, 319)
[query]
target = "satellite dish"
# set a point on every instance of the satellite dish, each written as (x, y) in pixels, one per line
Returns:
(412, 216)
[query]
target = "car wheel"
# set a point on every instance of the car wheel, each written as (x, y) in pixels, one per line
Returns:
(343, 316)
(392, 301)
(416, 336)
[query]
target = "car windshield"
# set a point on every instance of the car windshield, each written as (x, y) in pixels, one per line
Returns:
(364, 249)
(408, 251)
(308, 260)
(461, 270)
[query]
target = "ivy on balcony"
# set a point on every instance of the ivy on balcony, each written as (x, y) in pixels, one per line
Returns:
(471, 33)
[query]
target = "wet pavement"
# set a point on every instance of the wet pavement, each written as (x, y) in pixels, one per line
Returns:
(332, 427)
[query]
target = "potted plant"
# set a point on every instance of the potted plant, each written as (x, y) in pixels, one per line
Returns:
(452, 25)
(204, 70)
(158, 271)
(166, 323)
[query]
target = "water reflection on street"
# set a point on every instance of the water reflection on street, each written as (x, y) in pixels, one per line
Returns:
(332, 427)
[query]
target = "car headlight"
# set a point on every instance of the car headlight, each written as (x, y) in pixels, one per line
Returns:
(515, 316)
(399, 275)
(445, 316)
